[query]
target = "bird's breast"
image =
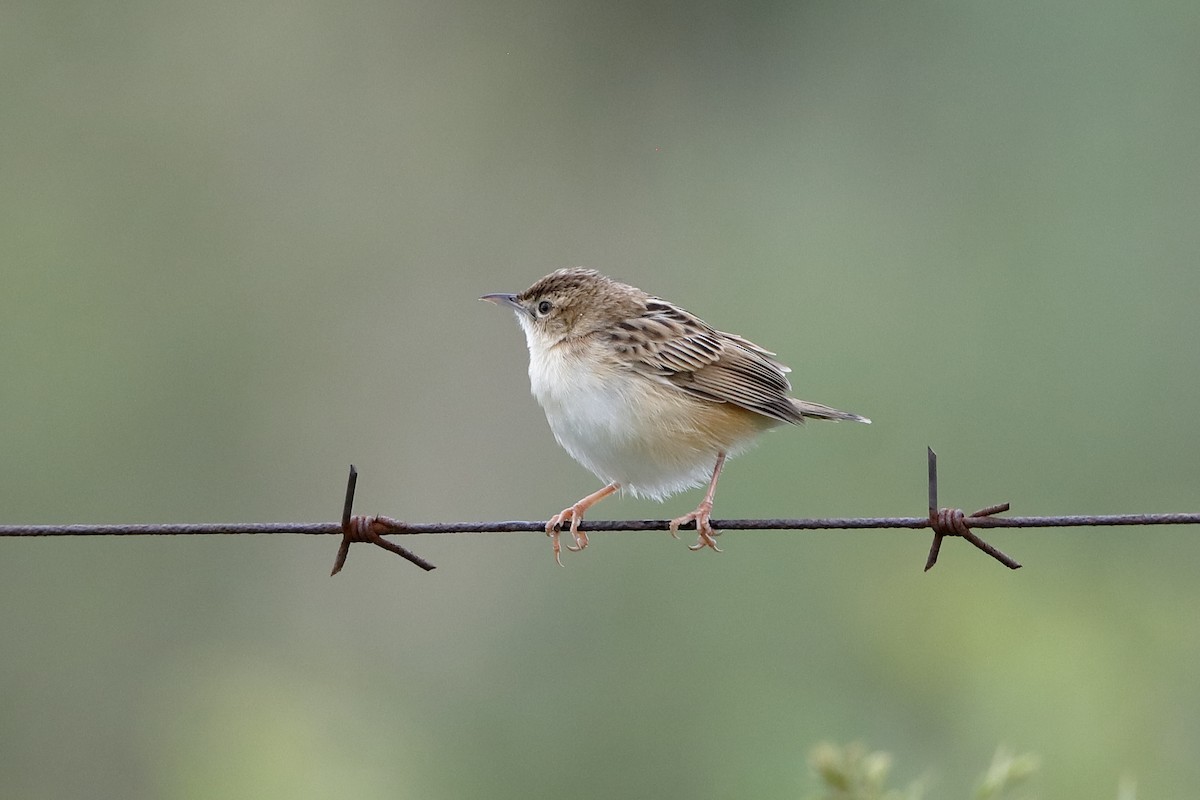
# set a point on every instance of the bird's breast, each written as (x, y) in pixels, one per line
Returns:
(582, 396)
(628, 428)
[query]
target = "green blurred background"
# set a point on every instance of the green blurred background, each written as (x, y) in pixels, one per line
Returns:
(242, 245)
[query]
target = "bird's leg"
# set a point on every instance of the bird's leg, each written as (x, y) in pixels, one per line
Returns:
(575, 514)
(701, 515)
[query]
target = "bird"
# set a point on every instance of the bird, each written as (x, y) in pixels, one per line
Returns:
(644, 394)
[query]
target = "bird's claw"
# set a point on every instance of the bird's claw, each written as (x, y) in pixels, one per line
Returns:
(554, 528)
(703, 527)
(706, 540)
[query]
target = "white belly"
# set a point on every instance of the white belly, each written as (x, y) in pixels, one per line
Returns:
(625, 428)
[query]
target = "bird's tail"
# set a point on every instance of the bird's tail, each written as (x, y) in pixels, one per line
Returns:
(818, 411)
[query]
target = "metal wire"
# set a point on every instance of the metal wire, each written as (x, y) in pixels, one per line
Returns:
(399, 528)
(943, 521)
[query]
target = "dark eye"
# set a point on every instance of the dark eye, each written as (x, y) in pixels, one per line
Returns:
(544, 307)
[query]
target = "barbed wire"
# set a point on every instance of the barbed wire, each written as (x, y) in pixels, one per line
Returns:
(943, 522)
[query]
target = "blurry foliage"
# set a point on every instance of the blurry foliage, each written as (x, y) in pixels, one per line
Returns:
(852, 772)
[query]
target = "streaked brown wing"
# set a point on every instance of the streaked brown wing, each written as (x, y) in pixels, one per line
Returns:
(678, 348)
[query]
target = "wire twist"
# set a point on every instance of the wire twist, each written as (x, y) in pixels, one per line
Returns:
(369, 529)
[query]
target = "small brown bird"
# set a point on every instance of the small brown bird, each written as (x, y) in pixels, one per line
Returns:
(644, 394)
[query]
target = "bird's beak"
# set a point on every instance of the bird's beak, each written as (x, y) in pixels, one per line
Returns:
(505, 300)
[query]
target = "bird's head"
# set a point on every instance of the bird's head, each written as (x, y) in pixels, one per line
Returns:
(569, 303)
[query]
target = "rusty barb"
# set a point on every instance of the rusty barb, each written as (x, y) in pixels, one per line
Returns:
(952, 522)
(942, 521)
(369, 529)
